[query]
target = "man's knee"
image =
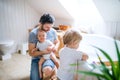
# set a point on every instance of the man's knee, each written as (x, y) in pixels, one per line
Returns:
(47, 71)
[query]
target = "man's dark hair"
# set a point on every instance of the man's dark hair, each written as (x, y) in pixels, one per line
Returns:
(47, 18)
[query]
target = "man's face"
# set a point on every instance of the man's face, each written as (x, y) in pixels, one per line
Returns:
(47, 26)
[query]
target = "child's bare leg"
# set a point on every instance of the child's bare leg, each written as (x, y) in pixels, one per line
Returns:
(54, 74)
(54, 59)
(40, 66)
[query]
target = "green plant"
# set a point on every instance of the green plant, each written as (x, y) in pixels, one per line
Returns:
(106, 73)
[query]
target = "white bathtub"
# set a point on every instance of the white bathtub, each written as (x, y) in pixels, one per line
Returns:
(103, 42)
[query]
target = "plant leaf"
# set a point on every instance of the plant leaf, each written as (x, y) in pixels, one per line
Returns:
(103, 67)
(118, 63)
(95, 74)
(110, 60)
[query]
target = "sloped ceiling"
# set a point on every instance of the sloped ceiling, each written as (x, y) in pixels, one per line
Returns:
(50, 6)
(109, 9)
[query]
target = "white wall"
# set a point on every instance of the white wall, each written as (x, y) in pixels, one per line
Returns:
(99, 16)
(109, 11)
(16, 17)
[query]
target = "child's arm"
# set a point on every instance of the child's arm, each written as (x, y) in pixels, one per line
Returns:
(56, 61)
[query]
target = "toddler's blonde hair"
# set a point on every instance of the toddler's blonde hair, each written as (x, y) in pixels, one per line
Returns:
(70, 36)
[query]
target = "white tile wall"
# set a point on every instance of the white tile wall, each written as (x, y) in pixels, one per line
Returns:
(16, 17)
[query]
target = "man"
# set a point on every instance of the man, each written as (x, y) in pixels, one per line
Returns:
(45, 23)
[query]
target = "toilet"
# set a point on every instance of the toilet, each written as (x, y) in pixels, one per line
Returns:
(6, 49)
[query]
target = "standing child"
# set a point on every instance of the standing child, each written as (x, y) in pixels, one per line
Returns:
(69, 54)
(47, 59)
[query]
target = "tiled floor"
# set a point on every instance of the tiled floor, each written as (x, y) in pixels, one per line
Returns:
(16, 68)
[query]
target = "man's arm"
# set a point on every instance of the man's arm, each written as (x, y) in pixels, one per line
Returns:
(56, 43)
(57, 62)
(35, 53)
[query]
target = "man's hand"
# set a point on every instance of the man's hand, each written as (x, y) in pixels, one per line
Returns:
(46, 51)
(55, 42)
(54, 49)
(33, 50)
(49, 48)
